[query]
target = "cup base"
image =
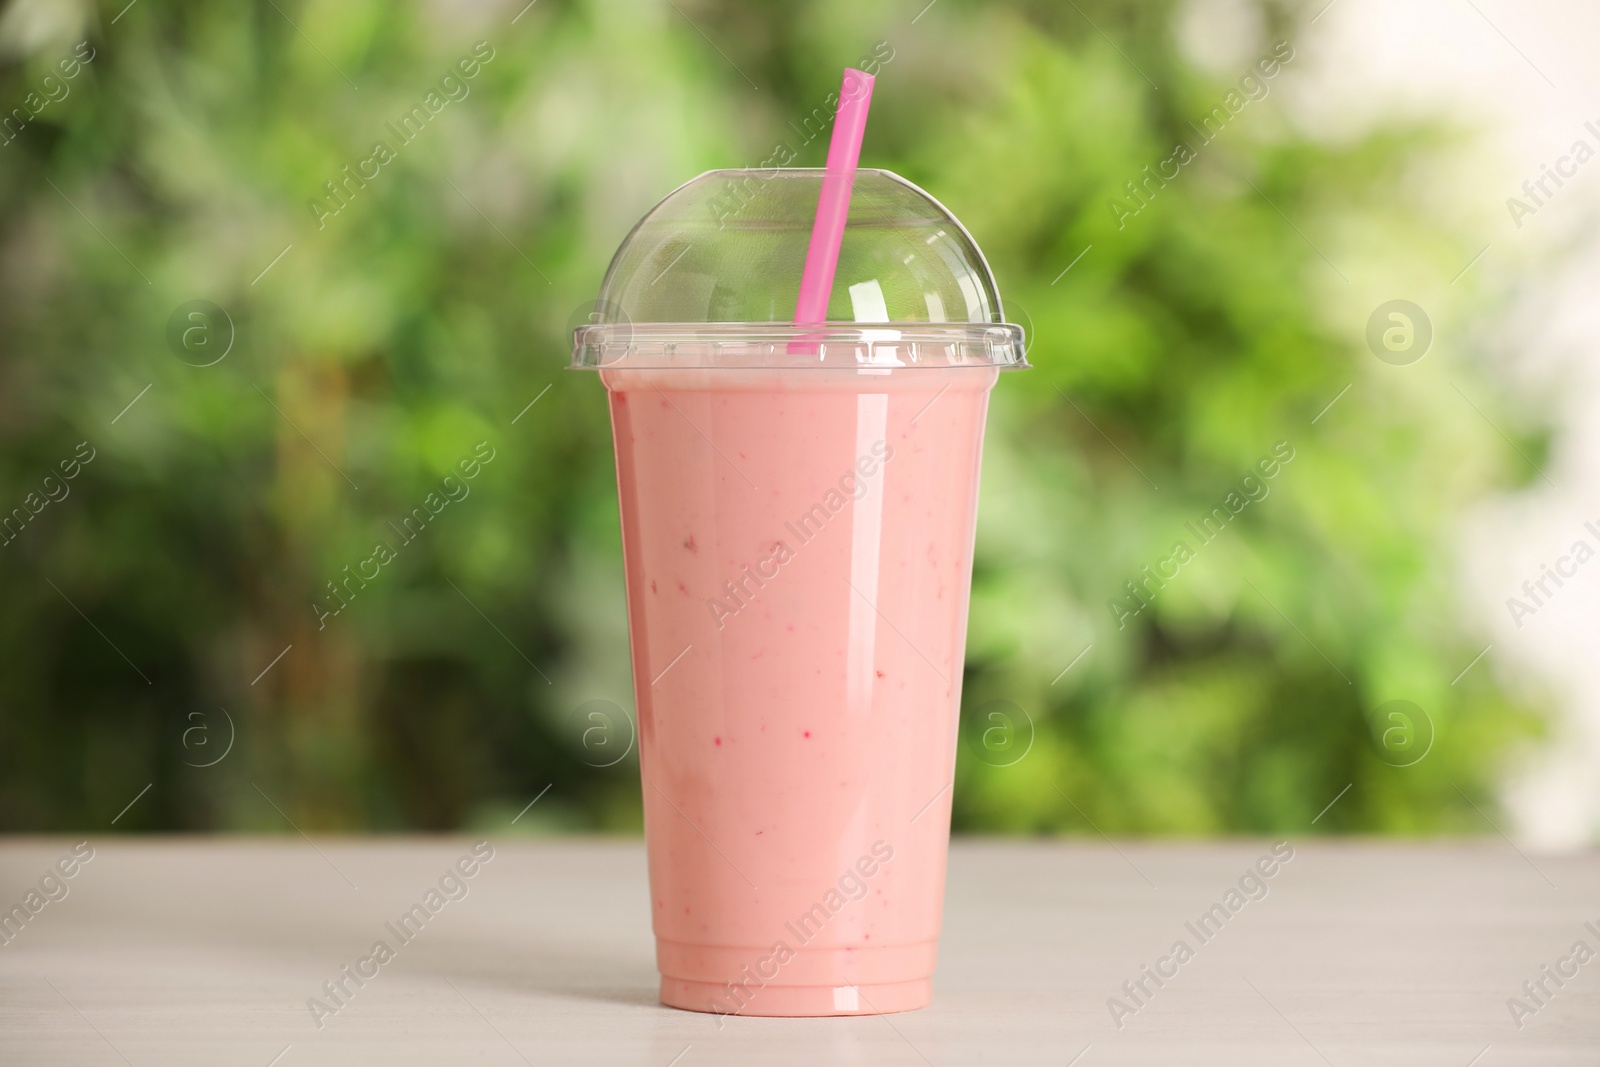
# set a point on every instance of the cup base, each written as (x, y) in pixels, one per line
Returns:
(798, 1001)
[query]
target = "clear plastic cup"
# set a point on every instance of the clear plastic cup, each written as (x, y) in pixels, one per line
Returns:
(797, 508)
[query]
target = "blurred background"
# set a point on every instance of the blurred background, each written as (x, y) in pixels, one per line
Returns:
(228, 367)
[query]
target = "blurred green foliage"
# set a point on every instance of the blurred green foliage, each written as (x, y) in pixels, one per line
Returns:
(392, 337)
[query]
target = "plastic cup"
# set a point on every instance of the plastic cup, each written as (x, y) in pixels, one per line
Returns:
(797, 532)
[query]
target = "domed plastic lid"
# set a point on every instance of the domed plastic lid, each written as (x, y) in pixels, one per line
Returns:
(710, 277)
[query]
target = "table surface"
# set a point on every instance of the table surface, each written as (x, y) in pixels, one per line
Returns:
(177, 951)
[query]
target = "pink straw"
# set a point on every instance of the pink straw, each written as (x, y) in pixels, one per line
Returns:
(833, 205)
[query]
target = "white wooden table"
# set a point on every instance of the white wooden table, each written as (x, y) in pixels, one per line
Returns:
(174, 951)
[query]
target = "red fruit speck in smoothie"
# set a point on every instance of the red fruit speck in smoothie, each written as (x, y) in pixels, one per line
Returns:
(717, 740)
(683, 589)
(652, 585)
(808, 733)
(880, 674)
(689, 544)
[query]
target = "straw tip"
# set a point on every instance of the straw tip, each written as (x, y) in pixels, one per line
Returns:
(855, 91)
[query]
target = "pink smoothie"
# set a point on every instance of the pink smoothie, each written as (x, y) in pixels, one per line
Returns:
(798, 546)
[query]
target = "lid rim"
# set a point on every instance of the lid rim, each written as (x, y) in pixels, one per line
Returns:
(809, 329)
(880, 346)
